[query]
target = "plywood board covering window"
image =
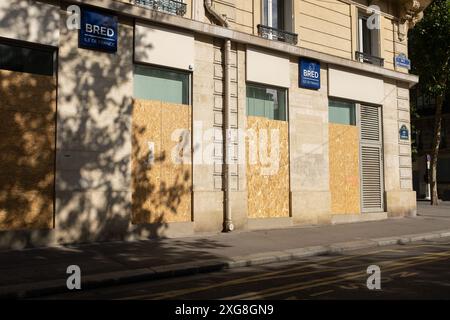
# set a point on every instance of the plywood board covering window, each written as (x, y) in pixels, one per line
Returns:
(268, 188)
(27, 145)
(344, 169)
(344, 158)
(161, 170)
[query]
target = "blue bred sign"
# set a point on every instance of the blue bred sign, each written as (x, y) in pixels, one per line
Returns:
(309, 71)
(98, 31)
(402, 61)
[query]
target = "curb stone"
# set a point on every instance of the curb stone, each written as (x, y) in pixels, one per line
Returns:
(36, 289)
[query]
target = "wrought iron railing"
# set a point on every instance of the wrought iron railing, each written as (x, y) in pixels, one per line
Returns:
(276, 34)
(168, 6)
(367, 58)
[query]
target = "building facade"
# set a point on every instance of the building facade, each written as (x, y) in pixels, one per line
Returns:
(118, 115)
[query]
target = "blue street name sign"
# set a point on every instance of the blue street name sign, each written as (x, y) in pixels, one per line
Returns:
(98, 31)
(404, 133)
(402, 61)
(309, 71)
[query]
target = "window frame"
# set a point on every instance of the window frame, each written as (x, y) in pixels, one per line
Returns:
(354, 118)
(264, 86)
(374, 35)
(33, 46)
(169, 69)
(287, 23)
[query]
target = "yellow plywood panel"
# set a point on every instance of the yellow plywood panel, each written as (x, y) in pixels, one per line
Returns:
(161, 187)
(27, 150)
(268, 185)
(176, 175)
(27, 92)
(344, 169)
(146, 166)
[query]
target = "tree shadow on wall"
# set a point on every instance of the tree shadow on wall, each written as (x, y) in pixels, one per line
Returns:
(94, 139)
(27, 140)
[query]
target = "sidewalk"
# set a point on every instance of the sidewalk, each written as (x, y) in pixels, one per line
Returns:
(33, 272)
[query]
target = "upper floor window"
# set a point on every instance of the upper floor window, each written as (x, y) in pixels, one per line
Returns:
(177, 7)
(274, 13)
(277, 22)
(368, 41)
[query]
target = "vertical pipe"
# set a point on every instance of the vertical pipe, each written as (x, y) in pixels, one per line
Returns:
(228, 223)
(222, 19)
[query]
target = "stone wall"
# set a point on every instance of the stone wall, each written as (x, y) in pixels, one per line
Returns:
(308, 145)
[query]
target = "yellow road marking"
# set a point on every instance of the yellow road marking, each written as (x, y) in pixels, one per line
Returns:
(320, 293)
(335, 279)
(271, 275)
(260, 277)
(405, 274)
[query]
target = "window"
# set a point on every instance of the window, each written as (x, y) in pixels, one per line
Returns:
(19, 58)
(266, 102)
(177, 7)
(341, 112)
(277, 14)
(166, 85)
(368, 39)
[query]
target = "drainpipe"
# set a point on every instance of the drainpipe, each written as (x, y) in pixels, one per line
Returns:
(220, 18)
(228, 223)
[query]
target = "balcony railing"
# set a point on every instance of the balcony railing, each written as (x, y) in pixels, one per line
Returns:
(169, 6)
(367, 58)
(276, 34)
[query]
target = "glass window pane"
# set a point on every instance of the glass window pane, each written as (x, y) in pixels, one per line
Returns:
(280, 111)
(341, 112)
(367, 38)
(23, 59)
(266, 102)
(266, 12)
(162, 85)
(279, 12)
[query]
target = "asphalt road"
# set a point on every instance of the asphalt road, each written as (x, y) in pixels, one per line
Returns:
(411, 271)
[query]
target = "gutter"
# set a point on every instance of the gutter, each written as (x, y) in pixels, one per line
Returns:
(228, 223)
(220, 18)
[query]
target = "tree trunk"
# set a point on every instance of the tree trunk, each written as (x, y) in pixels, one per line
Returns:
(435, 150)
